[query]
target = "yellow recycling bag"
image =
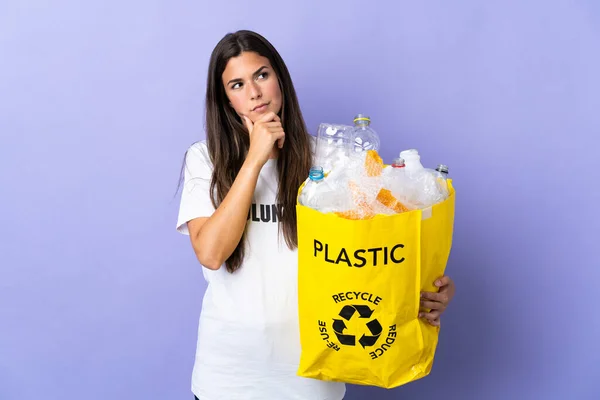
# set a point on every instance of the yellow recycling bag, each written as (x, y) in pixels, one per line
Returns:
(359, 284)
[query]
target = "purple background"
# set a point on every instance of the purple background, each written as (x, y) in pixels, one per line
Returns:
(99, 296)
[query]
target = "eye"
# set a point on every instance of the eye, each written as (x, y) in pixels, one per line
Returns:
(236, 85)
(264, 75)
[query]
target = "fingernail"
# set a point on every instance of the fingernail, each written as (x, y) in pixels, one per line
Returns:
(420, 315)
(422, 295)
(438, 283)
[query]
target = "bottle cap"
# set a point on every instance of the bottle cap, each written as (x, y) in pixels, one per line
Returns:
(316, 173)
(442, 168)
(398, 162)
(362, 119)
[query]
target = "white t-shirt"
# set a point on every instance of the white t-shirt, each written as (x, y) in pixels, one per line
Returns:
(248, 337)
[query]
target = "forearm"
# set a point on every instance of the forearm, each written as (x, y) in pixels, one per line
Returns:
(221, 233)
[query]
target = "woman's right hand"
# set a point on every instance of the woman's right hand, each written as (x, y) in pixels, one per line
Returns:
(263, 134)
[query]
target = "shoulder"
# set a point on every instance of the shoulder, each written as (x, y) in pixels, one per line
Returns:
(198, 150)
(197, 160)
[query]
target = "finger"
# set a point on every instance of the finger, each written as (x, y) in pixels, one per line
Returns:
(275, 129)
(248, 123)
(281, 139)
(268, 117)
(435, 322)
(430, 316)
(439, 297)
(433, 305)
(442, 281)
(278, 135)
(274, 124)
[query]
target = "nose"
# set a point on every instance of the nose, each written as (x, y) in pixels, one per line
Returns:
(255, 92)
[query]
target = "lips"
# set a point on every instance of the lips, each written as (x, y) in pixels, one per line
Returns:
(259, 106)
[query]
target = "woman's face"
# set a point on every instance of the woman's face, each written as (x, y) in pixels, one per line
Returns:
(251, 85)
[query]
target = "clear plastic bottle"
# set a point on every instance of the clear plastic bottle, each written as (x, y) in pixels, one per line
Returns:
(393, 176)
(391, 173)
(311, 187)
(363, 136)
(332, 147)
(422, 188)
(412, 161)
(441, 174)
(324, 194)
(398, 187)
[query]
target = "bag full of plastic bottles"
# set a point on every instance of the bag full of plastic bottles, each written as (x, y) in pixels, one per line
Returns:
(371, 237)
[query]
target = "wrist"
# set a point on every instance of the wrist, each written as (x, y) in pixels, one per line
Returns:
(253, 165)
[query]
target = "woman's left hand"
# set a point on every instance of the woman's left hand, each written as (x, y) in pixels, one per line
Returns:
(437, 302)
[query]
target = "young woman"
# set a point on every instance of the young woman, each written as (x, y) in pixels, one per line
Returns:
(238, 208)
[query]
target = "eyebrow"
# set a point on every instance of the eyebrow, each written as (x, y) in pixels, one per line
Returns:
(258, 71)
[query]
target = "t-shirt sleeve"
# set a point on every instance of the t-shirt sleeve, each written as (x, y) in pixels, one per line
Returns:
(195, 196)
